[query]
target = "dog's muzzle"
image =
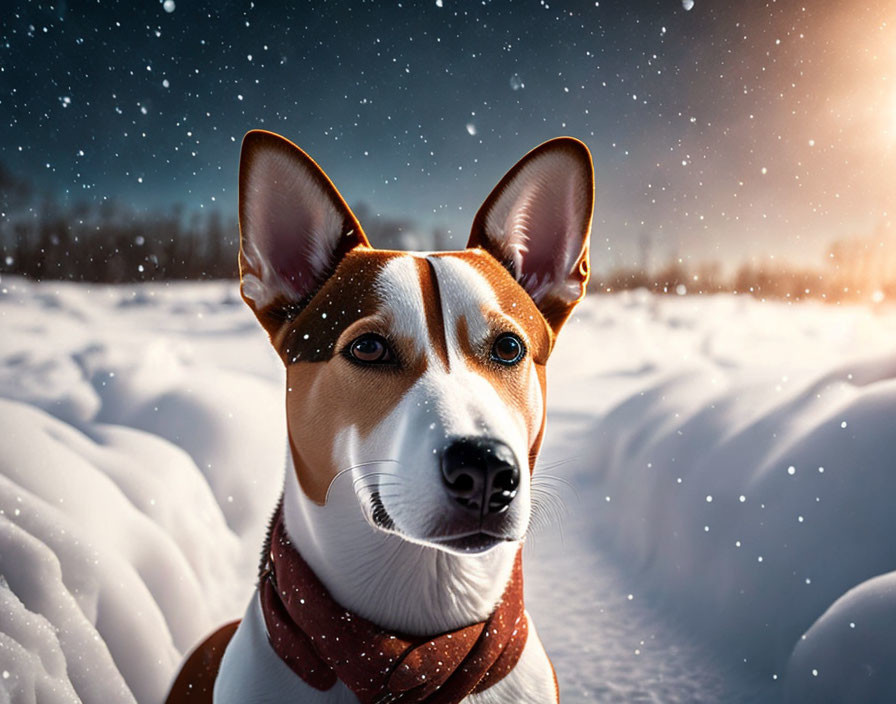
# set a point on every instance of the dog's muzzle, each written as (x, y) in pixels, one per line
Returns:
(480, 474)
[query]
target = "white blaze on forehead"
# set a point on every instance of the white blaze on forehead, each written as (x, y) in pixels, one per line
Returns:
(465, 294)
(398, 286)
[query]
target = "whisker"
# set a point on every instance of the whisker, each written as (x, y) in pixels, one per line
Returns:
(548, 505)
(541, 479)
(359, 465)
(374, 475)
(554, 463)
(363, 464)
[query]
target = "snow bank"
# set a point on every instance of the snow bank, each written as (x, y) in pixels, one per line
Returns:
(128, 492)
(847, 655)
(744, 458)
(143, 451)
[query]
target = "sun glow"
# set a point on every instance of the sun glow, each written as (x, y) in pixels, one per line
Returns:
(890, 129)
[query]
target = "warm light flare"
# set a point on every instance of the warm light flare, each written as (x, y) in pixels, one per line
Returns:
(890, 130)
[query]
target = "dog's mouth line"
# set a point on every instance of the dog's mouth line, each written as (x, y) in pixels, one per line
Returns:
(475, 540)
(470, 534)
(470, 542)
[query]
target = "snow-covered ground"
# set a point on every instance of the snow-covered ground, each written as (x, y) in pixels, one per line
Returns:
(717, 493)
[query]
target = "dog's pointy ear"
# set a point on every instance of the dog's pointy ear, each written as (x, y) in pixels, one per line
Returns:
(536, 222)
(294, 227)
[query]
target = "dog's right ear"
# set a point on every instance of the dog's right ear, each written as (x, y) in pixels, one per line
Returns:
(295, 228)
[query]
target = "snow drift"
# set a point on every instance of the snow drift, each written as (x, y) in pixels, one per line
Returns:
(750, 499)
(727, 532)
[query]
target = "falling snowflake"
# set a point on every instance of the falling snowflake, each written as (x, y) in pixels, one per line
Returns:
(687, 4)
(471, 128)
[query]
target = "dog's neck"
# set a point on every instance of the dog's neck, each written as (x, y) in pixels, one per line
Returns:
(396, 584)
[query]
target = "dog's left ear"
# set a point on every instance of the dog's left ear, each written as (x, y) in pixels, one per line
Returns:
(295, 228)
(536, 222)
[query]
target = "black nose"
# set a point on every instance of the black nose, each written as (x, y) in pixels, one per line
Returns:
(480, 474)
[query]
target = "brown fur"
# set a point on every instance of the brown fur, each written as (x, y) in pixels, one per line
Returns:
(432, 310)
(195, 682)
(324, 388)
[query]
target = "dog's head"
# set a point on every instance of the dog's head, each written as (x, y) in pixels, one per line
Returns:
(416, 382)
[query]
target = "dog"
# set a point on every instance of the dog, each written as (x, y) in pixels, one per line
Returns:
(415, 405)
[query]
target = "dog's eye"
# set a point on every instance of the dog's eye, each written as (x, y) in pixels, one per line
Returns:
(508, 349)
(371, 349)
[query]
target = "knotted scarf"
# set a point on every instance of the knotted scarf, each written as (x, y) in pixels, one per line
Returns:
(322, 642)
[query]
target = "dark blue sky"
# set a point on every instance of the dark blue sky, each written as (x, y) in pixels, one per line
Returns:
(729, 130)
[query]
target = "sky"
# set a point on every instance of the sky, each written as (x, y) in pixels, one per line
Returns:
(719, 130)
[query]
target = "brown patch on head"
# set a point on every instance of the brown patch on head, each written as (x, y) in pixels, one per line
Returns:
(324, 398)
(326, 391)
(310, 335)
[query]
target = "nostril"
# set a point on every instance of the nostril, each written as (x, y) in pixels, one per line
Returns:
(464, 489)
(507, 479)
(464, 484)
(503, 489)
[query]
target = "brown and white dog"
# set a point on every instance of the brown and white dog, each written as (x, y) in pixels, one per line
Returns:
(415, 403)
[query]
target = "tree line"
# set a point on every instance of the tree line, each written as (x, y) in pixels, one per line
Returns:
(110, 243)
(857, 269)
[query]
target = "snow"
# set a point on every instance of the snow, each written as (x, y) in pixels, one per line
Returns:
(847, 655)
(675, 555)
(131, 507)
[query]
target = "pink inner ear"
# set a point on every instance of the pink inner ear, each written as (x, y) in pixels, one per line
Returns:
(540, 220)
(291, 226)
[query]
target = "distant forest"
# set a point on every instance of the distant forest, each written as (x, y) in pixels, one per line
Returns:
(111, 243)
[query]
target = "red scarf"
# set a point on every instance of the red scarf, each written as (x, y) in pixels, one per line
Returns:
(322, 642)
